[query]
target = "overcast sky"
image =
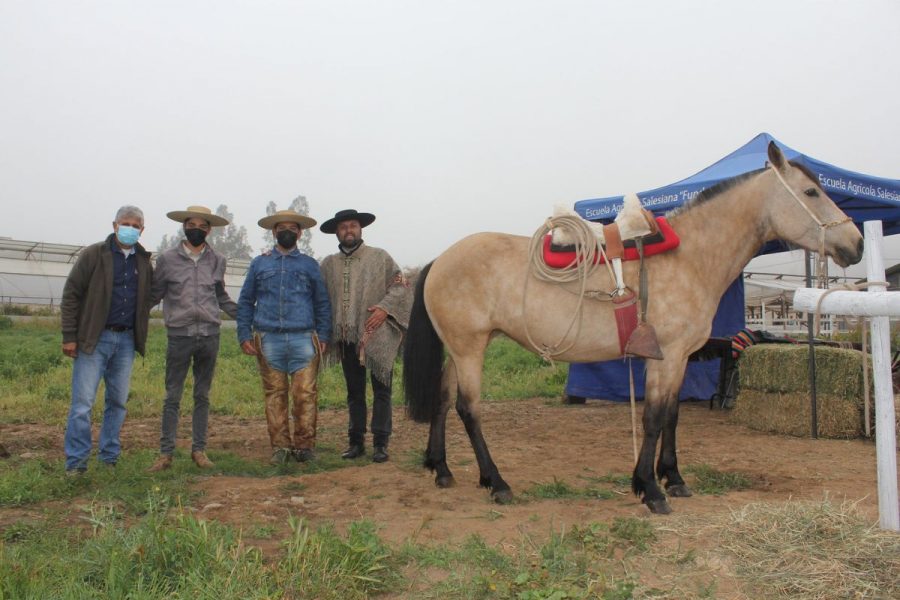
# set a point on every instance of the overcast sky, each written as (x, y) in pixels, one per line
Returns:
(442, 118)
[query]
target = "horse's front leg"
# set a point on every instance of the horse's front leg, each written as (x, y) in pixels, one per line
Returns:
(436, 453)
(643, 480)
(660, 417)
(667, 466)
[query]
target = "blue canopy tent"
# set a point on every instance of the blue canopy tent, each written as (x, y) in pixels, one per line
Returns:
(862, 197)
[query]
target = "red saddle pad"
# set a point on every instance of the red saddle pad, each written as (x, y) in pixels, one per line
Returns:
(566, 258)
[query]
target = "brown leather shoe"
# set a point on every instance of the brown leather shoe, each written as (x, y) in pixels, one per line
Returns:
(201, 460)
(162, 463)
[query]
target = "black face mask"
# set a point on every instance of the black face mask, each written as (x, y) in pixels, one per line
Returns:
(286, 238)
(195, 237)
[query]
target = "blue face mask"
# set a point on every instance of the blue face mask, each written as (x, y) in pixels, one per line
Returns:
(128, 235)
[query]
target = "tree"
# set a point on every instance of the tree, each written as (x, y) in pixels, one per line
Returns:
(230, 240)
(169, 241)
(300, 205)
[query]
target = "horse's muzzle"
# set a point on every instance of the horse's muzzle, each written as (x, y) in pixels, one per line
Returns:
(845, 257)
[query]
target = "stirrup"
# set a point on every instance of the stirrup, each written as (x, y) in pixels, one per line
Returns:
(642, 343)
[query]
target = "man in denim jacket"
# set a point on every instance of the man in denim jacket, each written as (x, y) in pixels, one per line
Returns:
(284, 319)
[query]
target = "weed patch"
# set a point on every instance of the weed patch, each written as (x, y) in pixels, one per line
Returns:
(558, 489)
(710, 481)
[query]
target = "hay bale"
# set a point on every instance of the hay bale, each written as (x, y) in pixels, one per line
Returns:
(789, 413)
(774, 391)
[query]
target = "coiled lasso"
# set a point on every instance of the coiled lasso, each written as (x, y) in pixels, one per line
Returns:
(581, 269)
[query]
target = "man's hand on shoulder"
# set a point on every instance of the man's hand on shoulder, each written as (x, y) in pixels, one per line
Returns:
(70, 349)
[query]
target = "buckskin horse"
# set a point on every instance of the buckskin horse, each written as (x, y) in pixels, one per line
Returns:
(474, 291)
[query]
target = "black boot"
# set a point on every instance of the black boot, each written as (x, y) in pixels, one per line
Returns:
(380, 455)
(353, 451)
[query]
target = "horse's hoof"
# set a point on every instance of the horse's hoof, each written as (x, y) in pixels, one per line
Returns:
(502, 496)
(679, 490)
(658, 507)
(445, 481)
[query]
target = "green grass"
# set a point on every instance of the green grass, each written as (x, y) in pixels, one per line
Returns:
(411, 460)
(510, 372)
(794, 550)
(27, 482)
(323, 564)
(558, 489)
(170, 553)
(572, 563)
(618, 480)
(27, 352)
(262, 532)
(709, 481)
(35, 377)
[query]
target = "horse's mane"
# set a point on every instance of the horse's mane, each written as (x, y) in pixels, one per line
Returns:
(727, 184)
(713, 191)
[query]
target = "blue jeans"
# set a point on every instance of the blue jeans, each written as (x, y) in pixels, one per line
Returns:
(111, 360)
(288, 352)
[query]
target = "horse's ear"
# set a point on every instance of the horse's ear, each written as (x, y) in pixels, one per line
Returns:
(776, 158)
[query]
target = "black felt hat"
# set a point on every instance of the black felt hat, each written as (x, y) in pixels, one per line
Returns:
(330, 226)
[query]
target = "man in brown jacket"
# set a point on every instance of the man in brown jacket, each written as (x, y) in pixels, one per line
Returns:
(105, 313)
(370, 301)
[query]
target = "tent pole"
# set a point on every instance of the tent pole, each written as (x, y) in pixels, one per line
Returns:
(814, 420)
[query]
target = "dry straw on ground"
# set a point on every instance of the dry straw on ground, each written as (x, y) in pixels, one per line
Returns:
(812, 550)
(797, 550)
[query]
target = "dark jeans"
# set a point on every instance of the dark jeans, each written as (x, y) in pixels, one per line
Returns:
(181, 350)
(355, 376)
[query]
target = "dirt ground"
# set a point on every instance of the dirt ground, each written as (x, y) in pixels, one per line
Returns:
(532, 441)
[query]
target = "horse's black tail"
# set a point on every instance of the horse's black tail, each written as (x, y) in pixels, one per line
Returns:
(423, 359)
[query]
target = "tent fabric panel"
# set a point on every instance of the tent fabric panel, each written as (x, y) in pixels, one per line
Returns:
(872, 197)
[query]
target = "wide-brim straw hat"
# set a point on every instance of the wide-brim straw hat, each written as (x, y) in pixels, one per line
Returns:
(200, 212)
(287, 216)
(330, 226)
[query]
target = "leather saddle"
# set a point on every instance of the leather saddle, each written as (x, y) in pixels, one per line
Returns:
(662, 240)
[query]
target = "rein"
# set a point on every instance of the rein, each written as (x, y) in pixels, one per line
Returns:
(821, 259)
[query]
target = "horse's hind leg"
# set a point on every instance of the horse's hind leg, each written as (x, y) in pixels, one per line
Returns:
(436, 453)
(469, 374)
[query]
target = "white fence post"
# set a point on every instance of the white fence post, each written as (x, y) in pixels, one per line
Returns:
(877, 303)
(885, 428)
